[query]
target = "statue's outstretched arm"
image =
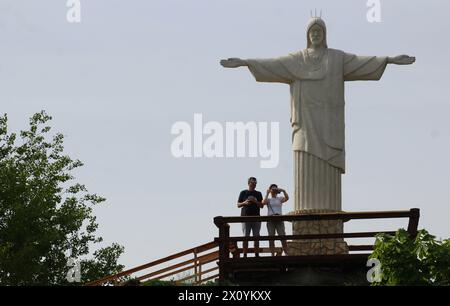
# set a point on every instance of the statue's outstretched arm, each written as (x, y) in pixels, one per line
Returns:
(359, 68)
(264, 70)
(401, 60)
(233, 62)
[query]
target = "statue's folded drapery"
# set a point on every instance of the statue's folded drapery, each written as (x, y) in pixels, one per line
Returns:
(317, 117)
(317, 96)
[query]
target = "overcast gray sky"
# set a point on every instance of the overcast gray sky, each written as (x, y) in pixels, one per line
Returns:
(116, 82)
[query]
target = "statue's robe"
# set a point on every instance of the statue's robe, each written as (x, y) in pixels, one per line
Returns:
(317, 117)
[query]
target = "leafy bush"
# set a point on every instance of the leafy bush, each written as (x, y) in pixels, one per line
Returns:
(422, 260)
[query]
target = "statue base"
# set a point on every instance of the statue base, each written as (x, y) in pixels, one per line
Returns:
(317, 246)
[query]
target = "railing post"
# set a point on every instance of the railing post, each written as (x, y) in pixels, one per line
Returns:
(413, 221)
(195, 266)
(224, 247)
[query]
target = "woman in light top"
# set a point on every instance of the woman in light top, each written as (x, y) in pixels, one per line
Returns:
(274, 208)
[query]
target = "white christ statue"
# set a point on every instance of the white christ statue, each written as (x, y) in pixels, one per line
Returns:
(316, 77)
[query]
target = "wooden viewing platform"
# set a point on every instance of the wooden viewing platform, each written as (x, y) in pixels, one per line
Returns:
(230, 267)
(223, 254)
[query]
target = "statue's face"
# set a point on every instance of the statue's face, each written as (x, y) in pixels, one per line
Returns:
(316, 35)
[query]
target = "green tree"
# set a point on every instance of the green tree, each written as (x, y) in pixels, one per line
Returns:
(422, 260)
(45, 218)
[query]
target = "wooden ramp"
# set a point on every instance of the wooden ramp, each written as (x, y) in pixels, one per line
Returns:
(195, 265)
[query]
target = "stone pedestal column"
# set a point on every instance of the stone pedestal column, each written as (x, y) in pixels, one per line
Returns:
(317, 190)
(317, 246)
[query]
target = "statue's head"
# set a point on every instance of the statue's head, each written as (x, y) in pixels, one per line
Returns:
(316, 33)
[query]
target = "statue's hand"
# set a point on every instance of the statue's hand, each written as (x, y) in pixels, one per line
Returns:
(233, 62)
(402, 60)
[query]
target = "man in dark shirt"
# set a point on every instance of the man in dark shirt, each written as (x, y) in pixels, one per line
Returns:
(250, 202)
